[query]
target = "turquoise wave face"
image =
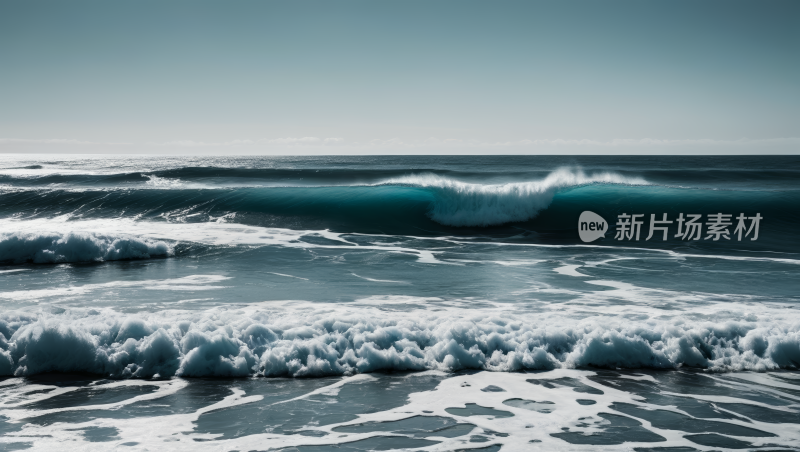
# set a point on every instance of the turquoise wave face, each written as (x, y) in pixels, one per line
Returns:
(519, 199)
(162, 288)
(545, 214)
(726, 172)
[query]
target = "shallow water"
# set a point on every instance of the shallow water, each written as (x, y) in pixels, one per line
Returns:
(390, 303)
(561, 409)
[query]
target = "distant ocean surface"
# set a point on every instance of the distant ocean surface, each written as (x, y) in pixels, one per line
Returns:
(376, 303)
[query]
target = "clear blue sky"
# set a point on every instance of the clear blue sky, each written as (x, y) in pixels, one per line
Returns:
(433, 76)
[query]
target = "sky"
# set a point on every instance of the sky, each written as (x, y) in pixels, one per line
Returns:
(400, 77)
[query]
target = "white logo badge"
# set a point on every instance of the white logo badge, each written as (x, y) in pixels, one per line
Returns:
(591, 226)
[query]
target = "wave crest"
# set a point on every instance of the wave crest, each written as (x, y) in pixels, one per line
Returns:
(51, 248)
(459, 203)
(236, 343)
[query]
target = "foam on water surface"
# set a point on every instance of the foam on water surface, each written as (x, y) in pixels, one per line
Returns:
(454, 413)
(303, 339)
(290, 304)
(39, 237)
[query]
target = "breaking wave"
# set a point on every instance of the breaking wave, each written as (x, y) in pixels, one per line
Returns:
(406, 201)
(459, 203)
(44, 248)
(544, 204)
(321, 342)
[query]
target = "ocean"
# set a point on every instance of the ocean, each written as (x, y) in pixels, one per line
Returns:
(391, 303)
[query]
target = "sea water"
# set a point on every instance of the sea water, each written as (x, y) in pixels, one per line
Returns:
(375, 303)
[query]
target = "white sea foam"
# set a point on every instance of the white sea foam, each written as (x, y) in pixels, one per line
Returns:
(288, 276)
(625, 326)
(189, 283)
(129, 239)
(76, 246)
(570, 270)
(512, 425)
(505, 263)
(125, 238)
(154, 181)
(380, 280)
(36, 393)
(305, 339)
(460, 203)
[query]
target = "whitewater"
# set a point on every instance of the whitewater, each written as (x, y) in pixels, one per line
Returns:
(426, 303)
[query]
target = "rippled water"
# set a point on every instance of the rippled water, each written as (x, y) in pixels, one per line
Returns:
(391, 303)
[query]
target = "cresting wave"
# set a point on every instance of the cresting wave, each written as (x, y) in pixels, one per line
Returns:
(52, 248)
(459, 203)
(413, 204)
(417, 204)
(412, 199)
(316, 342)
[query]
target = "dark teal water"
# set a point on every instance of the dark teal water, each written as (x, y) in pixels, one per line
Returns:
(146, 301)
